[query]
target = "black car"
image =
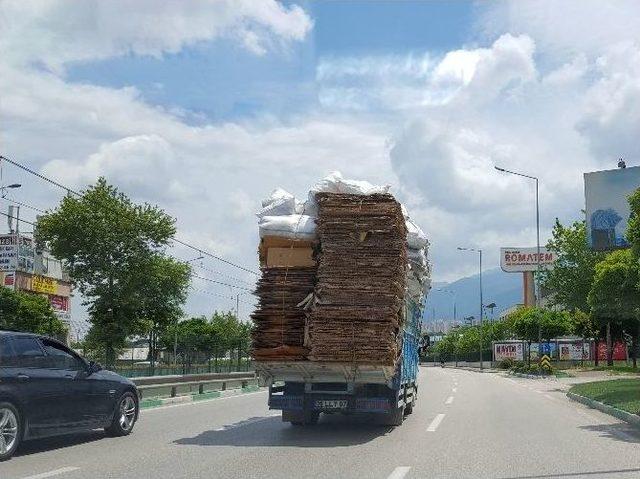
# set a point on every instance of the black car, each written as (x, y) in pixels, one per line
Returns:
(46, 389)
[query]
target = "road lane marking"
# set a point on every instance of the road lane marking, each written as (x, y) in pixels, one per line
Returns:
(55, 472)
(454, 390)
(449, 400)
(435, 423)
(399, 472)
(548, 397)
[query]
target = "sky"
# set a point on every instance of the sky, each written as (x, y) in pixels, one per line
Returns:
(204, 107)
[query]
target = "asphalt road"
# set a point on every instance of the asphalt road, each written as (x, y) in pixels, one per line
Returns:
(465, 425)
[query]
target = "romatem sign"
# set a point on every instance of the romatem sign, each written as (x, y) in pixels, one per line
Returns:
(517, 260)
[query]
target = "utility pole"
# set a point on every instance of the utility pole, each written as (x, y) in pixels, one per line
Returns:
(479, 251)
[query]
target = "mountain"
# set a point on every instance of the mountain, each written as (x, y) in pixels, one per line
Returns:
(504, 289)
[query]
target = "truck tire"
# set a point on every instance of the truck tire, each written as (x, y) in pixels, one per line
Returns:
(409, 408)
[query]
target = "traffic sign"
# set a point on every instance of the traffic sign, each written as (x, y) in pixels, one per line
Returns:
(545, 362)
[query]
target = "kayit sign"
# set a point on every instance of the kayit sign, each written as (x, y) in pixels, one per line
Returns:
(518, 260)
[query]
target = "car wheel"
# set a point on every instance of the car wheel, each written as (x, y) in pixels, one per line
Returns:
(10, 430)
(125, 415)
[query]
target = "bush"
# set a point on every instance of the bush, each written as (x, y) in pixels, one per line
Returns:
(506, 363)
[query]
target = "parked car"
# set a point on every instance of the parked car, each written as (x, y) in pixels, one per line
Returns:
(46, 389)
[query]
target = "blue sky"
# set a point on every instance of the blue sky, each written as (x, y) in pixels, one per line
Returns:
(224, 81)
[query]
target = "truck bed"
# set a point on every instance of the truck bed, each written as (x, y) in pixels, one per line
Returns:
(324, 372)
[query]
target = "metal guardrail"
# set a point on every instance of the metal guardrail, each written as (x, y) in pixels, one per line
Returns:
(173, 383)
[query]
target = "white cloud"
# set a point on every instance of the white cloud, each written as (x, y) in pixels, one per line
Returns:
(56, 32)
(539, 95)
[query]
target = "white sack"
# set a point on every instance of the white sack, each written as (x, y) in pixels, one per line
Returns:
(289, 226)
(335, 183)
(279, 203)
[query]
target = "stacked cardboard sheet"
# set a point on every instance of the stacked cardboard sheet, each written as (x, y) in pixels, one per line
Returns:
(360, 280)
(279, 320)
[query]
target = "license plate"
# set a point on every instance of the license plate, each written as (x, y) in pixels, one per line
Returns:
(331, 404)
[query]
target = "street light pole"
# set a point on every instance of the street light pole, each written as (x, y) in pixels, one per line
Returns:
(537, 279)
(479, 251)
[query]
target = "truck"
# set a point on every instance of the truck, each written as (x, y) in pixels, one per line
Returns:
(303, 390)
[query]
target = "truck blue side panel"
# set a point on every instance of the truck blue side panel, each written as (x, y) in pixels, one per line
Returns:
(411, 335)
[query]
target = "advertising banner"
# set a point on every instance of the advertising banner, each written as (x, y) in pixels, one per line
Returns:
(518, 260)
(42, 284)
(574, 351)
(619, 351)
(59, 303)
(16, 253)
(513, 351)
(607, 209)
(8, 279)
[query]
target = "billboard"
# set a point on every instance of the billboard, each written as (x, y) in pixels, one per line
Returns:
(513, 351)
(607, 209)
(16, 253)
(517, 260)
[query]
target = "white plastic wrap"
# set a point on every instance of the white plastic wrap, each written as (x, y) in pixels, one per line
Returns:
(335, 183)
(279, 203)
(288, 226)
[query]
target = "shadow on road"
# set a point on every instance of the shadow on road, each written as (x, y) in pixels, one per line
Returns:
(331, 431)
(58, 442)
(620, 432)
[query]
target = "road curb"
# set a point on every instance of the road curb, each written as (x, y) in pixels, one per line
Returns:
(475, 370)
(528, 376)
(625, 416)
(150, 403)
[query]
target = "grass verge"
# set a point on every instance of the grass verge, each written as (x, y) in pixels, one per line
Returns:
(620, 393)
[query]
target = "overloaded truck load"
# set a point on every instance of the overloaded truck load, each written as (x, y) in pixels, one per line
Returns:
(340, 299)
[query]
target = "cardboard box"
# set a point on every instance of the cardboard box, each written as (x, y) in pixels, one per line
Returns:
(290, 257)
(269, 242)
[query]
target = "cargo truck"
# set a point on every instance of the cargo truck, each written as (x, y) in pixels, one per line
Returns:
(303, 390)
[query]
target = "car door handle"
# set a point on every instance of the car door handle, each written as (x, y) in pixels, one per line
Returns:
(23, 377)
(69, 376)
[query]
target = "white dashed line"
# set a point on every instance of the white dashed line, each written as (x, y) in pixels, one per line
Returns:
(53, 473)
(454, 390)
(449, 400)
(399, 472)
(435, 423)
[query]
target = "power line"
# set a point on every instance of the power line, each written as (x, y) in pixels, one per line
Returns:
(69, 190)
(26, 205)
(220, 282)
(209, 293)
(35, 173)
(16, 218)
(233, 278)
(206, 253)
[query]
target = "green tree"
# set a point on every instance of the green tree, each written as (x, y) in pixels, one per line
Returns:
(569, 282)
(161, 293)
(108, 243)
(614, 296)
(28, 312)
(525, 324)
(633, 235)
